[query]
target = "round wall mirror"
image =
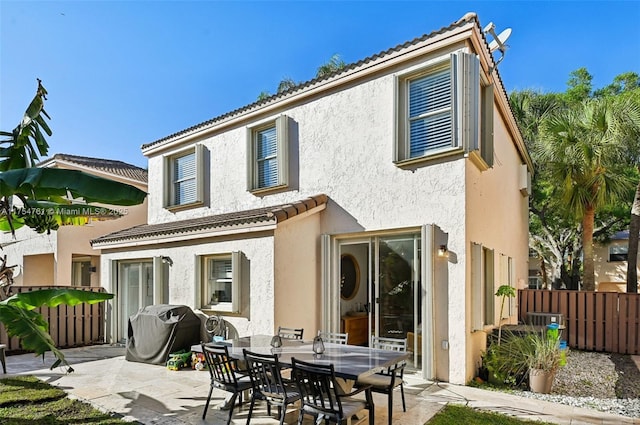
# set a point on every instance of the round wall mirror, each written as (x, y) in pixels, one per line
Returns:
(349, 276)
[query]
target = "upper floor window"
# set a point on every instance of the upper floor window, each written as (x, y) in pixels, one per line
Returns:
(221, 282)
(267, 151)
(184, 170)
(439, 110)
(618, 253)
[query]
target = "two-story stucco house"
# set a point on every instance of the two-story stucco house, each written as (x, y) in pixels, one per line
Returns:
(396, 187)
(65, 257)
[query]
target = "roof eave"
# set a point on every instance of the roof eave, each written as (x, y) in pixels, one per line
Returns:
(192, 235)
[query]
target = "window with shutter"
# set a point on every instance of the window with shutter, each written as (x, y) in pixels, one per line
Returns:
(267, 146)
(221, 281)
(482, 287)
(438, 109)
(184, 178)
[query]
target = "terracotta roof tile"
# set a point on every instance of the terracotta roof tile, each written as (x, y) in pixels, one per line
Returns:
(111, 166)
(274, 214)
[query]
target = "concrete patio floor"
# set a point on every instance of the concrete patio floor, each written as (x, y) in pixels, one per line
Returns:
(152, 394)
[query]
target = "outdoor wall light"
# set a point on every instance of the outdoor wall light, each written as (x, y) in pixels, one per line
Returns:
(442, 251)
(167, 260)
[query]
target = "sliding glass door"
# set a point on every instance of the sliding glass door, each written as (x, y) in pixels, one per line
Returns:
(135, 290)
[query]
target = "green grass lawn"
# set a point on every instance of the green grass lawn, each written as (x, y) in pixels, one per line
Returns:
(456, 414)
(26, 400)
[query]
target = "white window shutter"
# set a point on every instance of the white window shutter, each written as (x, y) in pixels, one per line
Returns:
(167, 178)
(200, 171)
(251, 161)
(467, 99)
(200, 281)
(236, 291)
(282, 130)
(490, 290)
(504, 280)
(477, 300)
(486, 142)
(158, 281)
(512, 281)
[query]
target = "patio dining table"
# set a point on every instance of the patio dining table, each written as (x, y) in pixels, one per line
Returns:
(349, 361)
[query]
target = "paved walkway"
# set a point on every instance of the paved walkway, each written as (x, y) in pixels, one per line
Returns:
(154, 395)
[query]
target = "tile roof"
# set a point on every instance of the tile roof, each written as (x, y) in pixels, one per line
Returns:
(469, 17)
(265, 215)
(110, 166)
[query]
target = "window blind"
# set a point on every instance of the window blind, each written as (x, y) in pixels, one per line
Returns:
(184, 171)
(267, 161)
(430, 124)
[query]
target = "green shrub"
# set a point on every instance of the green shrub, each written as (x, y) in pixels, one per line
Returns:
(507, 362)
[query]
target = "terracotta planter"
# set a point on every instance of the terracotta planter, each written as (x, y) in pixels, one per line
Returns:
(540, 381)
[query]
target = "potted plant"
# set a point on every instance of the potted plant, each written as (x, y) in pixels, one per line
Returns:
(544, 360)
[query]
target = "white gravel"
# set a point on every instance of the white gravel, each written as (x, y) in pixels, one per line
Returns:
(591, 380)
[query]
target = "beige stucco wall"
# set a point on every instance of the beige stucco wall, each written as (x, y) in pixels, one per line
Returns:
(38, 269)
(75, 240)
(498, 219)
(296, 285)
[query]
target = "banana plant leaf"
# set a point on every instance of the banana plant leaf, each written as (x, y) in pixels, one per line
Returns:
(39, 184)
(21, 321)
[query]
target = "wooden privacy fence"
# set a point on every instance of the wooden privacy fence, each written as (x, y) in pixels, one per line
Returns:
(69, 326)
(595, 321)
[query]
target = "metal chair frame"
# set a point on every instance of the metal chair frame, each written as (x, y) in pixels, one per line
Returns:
(386, 381)
(320, 397)
(290, 333)
(334, 337)
(267, 383)
(225, 375)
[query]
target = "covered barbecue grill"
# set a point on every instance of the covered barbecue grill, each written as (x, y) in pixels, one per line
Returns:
(156, 331)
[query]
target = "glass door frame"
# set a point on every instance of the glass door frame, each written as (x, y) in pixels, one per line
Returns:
(330, 265)
(143, 287)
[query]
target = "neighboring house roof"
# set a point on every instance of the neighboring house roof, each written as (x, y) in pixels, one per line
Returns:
(240, 219)
(108, 166)
(621, 235)
(349, 68)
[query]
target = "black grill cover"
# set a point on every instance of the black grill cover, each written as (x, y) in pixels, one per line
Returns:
(156, 331)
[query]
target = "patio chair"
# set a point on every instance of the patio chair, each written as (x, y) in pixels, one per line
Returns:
(386, 381)
(334, 337)
(320, 397)
(268, 385)
(290, 333)
(223, 370)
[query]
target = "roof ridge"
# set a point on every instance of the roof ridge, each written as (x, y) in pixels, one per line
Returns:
(74, 158)
(115, 167)
(468, 17)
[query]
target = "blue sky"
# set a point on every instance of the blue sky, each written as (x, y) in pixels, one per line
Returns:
(124, 73)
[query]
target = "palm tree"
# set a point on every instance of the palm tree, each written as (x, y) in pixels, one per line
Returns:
(629, 103)
(49, 197)
(335, 63)
(581, 146)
